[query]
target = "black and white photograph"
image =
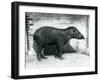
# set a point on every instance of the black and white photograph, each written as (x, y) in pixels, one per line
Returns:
(53, 40)
(56, 40)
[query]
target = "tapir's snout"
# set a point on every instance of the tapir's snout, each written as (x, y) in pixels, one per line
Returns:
(77, 34)
(81, 36)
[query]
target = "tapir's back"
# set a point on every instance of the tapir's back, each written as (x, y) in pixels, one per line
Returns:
(48, 34)
(47, 31)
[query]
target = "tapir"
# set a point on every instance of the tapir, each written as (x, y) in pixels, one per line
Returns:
(48, 35)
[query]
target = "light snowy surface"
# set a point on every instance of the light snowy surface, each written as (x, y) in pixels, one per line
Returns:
(70, 60)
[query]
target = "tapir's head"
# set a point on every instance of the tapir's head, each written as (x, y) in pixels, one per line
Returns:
(74, 32)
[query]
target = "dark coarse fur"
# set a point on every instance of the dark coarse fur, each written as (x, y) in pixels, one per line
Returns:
(50, 35)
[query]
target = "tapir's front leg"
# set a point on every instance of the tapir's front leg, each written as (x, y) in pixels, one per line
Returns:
(59, 49)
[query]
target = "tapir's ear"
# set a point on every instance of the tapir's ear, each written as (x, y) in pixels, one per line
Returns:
(74, 30)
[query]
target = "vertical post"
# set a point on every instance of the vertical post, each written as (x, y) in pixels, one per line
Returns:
(28, 18)
(87, 31)
(77, 48)
(27, 33)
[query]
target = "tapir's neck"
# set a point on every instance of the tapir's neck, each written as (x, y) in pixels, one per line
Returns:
(67, 35)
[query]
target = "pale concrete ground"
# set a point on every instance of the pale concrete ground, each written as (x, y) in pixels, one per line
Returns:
(70, 60)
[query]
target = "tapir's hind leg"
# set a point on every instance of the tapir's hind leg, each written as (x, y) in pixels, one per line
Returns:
(37, 47)
(39, 53)
(42, 53)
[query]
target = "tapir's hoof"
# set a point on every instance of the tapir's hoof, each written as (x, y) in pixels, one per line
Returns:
(61, 58)
(56, 56)
(45, 58)
(39, 59)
